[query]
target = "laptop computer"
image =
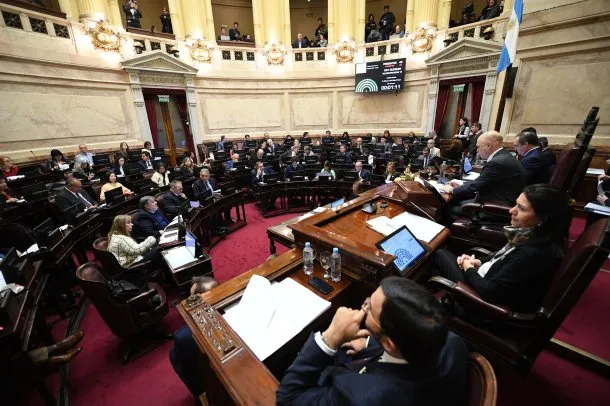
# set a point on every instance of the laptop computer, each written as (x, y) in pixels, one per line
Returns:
(405, 247)
(114, 196)
(337, 203)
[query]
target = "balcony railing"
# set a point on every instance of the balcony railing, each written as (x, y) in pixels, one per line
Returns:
(29, 18)
(493, 29)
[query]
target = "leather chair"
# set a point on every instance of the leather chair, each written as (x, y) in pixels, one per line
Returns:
(132, 320)
(109, 264)
(519, 338)
(482, 384)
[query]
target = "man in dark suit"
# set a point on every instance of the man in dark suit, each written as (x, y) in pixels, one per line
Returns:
(403, 356)
(300, 42)
(548, 157)
(386, 23)
(294, 166)
(146, 163)
(234, 33)
(132, 14)
(328, 138)
(475, 133)
(501, 181)
(173, 199)
(258, 173)
(72, 199)
(344, 153)
(259, 157)
(204, 186)
(528, 148)
(362, 172)
(149, 221)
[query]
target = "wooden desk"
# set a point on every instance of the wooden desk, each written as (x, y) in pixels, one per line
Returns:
(238, 377)
(208, 213)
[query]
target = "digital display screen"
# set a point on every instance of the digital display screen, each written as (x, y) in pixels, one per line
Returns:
(405, 247)
(337, 203)
(381, 76)
(190, 242)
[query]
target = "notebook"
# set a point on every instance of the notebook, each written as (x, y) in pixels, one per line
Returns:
(178, 257)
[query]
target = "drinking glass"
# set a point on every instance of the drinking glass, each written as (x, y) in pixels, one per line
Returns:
(325, 263)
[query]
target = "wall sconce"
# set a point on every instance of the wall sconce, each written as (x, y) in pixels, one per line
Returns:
(139, 46)
(422, 39)
(275, 53)
(103, 37)
(174, 51)
(200, 51)
(488, 33)
(344, 52)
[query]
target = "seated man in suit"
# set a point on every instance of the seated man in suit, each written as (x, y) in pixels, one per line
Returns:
(328, 138)
(358, 149)
(548, 157)
(259, 157)
(403, 356)
(234, 33)
(271, 147)
(258, 173)
(344, 153)
(293, 167)
(528, 148)
(204, 186)
(173, 199)
(362, 175)
(501, 181)
(72, 199)
(300, 42)
(230, 165)
(474, 136)
(433, 151)
(146, 163)
(149, 221)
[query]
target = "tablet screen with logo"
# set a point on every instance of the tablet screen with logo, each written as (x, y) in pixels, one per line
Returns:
(404, 246)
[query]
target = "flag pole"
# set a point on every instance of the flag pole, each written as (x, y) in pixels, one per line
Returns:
(503, 98)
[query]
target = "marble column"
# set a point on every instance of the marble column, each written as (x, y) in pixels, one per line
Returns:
(115, 13)
(426, 13)
(444, 13)
(175, 13)
(432, 100)
(209, 21)
(195, 124)
(193, 19)
(360, 21)
(286, 23)
(91, 10)
(67, 7)
(259, 35)
(330, 23)
(271, 21)
(344, 19)
(138, 98)
(488, 97)
(410, 15)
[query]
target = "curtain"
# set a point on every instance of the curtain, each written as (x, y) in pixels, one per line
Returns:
(149, 102)
(476, 99)
(182, 109)
(441, 106)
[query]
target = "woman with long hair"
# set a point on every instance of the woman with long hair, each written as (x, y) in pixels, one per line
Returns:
(519, 274)
(463, 129)
(455, 151)
(161, 176)
(390, 172)
(186, 169)
(119, 167)
(127, 250)
(57, 162)
(112, 184)
(328, 168)
(123, 151)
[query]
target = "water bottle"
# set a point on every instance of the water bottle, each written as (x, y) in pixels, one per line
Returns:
(308, 259)
(335, 265)
(443, 168)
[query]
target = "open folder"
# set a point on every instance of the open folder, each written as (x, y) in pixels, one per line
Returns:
(422, 228)
(269, 315)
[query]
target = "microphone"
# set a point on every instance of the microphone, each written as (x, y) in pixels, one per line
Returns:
(35, 157)
(422, 211)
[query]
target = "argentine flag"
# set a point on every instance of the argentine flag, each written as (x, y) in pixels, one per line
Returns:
(510, 42)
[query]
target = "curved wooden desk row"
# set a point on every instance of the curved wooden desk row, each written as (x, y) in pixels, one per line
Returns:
(234, 375)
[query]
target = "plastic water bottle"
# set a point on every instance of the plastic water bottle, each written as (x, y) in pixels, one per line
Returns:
(443, 168)
(335, 265)
(308, 259)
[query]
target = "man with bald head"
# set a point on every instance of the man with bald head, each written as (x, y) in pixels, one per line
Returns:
(83, 156)
(501, 181)
(72, 199)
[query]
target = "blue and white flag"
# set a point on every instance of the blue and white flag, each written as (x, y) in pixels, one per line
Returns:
(509, 50)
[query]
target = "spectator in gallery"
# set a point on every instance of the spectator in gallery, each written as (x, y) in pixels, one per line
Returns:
(132, 14)
(166, 22)
(321, 30)
(147, 147)
(223, 34)
(234, 33)
(370, 26)
(398, 33)
(386, 23)
(493, 10)
(300, 42)
(322, 42)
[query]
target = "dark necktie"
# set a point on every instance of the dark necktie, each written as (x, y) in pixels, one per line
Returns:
(87, 203)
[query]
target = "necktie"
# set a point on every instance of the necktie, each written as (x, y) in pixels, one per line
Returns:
(148, 165)
(87, 204)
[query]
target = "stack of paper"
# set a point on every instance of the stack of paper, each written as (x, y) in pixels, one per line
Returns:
(422, 228)
(471, 176)
(598, 208)
(269, 315)
(169, 236)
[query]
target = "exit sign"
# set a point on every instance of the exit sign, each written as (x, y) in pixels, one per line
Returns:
(458, 88)
(164, 98)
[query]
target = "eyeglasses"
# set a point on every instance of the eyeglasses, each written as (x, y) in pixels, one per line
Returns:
(366, 306)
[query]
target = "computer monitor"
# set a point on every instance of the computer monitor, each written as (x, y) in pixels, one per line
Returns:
(305, 141)
(192, 245)
(323, 177)
(272, 178)
(132, 169)
(42, 231)
(311, 159)
(337, 203)
(350, 176)
(135, 155)
(297, 176)
(405, 247)
(467, 166)
(220, 156)
(103, 159)
(114, 196)
(328, 141)
(157, 152)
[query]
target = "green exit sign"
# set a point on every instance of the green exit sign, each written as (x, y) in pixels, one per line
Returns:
(164, 98)
(458, 88)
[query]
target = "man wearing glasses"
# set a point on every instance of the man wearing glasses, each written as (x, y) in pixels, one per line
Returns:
(395, 350)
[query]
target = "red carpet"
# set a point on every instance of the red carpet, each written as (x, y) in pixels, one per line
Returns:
(97, 377)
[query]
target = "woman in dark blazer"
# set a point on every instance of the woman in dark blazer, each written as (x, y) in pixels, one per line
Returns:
(520, 274)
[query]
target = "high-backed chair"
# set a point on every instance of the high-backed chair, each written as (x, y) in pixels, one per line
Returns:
(482, 384)
(109, 264)
(519, 338)
(131, 320)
